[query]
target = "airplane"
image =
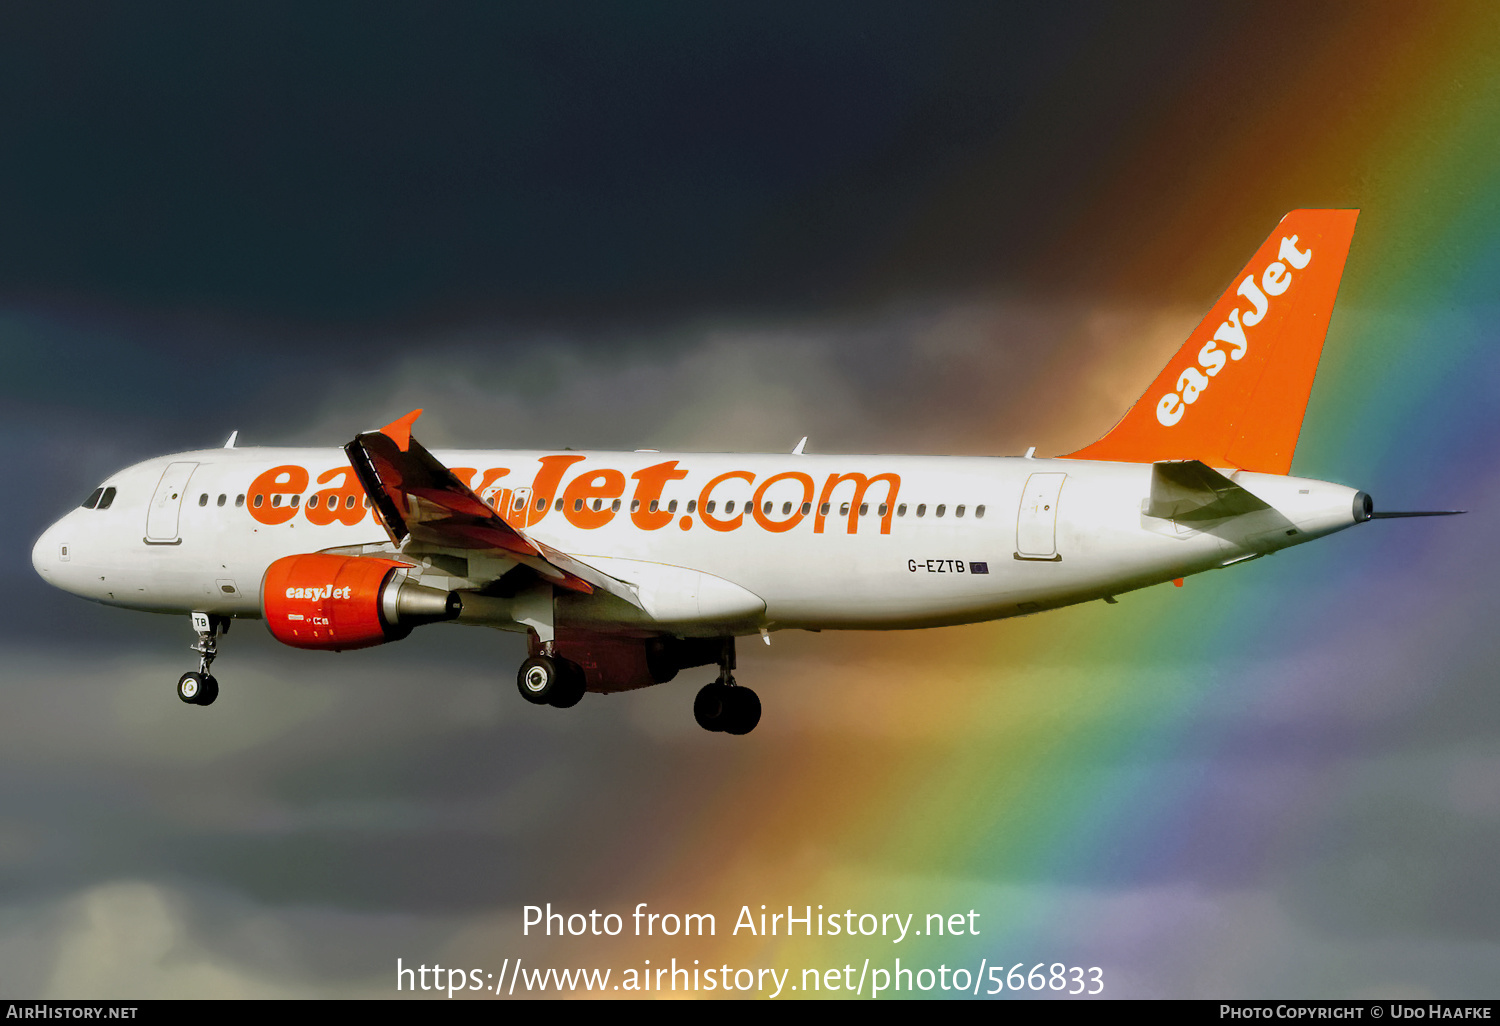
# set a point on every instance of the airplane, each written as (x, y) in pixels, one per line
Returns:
(624, 569)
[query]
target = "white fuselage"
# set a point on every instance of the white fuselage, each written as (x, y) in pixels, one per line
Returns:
(940, 540)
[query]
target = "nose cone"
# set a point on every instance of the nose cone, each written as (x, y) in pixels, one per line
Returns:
(44, 554)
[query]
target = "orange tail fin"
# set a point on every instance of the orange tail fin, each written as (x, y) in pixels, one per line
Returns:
(1235, 393)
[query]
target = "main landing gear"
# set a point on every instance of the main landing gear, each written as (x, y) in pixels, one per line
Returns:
(201, 688)
(724, 705)
(551, 680)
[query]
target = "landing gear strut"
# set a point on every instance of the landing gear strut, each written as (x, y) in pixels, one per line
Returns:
(201, 688)
(724, 705)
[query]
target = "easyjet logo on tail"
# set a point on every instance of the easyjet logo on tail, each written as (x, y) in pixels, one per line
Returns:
(1274, 281)
(1247, 369)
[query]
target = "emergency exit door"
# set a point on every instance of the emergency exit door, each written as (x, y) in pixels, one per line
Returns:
(1036, 523)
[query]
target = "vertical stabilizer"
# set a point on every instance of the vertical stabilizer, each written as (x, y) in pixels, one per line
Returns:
(1235, 393)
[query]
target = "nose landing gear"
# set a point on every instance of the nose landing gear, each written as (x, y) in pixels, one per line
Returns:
(201, 688)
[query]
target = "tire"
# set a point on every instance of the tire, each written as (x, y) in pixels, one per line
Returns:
(210, 691)
(711, 706)
(537, 679)
(743, 711)
(190, 687)
(571, 686)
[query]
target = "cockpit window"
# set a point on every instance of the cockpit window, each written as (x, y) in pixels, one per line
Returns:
(100, 498)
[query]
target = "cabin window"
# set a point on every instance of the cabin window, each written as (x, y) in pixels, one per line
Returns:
(368, 502)
(824, 509)
(276, 500)
(577, 505)
(729, 507)
(941, 509)
(864, 509)
(296, 499)
(786, 508)
(203, 499)
(349, 502)
(883, 510)
(979, 512)
(541, 504)
(93, 499)
(844, 510)
(222, 499)
(958, 511)
(672, 506)
(258, 500)
(901, 510)
(615, 506)
(692, 506)
(312, 502)
(239, 500)
(710, 507)
(635, 505)
(806, 508)
(654, 505)
(922, 509)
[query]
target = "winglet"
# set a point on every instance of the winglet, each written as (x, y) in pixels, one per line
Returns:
(399, 431)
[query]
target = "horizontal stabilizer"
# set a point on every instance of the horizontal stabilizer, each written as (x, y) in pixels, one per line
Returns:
(1192, 490)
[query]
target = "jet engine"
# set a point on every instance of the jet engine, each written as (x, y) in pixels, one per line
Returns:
(332, 602)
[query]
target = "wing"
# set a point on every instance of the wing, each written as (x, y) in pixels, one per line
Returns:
(415, 496)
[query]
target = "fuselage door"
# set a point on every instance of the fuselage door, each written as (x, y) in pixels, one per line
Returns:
(521, 517)
(1036, 524)
(166, 504)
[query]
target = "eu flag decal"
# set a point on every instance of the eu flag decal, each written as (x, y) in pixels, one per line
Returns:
(979, 568)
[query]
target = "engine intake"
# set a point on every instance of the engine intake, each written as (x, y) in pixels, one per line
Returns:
(334, 603)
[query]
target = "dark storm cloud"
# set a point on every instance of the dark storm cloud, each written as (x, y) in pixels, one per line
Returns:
(362, 162)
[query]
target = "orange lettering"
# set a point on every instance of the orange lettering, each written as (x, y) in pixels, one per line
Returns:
(650, 483)
(284, 480)
(344, 503)
(545, 484)
(707, 517)
(861, 483)
(501, 497)
(599, 488)
(764, 519)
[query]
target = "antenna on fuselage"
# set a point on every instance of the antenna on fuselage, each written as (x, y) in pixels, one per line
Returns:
(232, 436)
(798, 451)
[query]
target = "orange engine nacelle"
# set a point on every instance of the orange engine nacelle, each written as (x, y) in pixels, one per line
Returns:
(341, 602)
